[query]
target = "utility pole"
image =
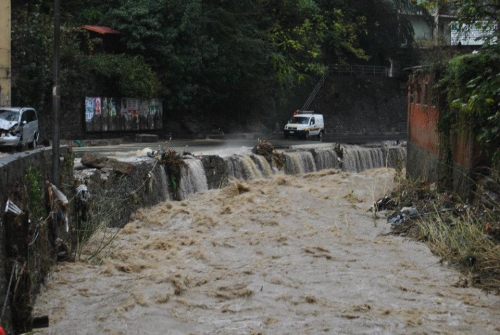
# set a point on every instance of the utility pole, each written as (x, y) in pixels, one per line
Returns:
(56, 98)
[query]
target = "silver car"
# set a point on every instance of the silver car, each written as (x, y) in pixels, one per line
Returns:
(18, 127)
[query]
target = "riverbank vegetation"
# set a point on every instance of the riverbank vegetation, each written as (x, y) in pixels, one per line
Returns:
(463, 233)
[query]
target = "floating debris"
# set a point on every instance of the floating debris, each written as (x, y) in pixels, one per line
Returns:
(339, 151)
(266, 149)
(402, 215)
(59, 195)
(11, 207)
(384, 203)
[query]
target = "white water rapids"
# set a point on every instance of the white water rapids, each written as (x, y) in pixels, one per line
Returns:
(286, 254)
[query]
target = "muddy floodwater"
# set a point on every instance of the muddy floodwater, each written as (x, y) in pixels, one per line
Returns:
(289, 254)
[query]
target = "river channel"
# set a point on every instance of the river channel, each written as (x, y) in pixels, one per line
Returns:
(277, 254)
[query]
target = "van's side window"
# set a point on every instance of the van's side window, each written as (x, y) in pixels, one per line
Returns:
(312, 121)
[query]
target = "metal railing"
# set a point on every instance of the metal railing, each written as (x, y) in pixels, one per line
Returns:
(341, 69)
(315, 91)
(363, 70)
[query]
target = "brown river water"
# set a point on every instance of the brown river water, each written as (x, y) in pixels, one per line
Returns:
(289, 254)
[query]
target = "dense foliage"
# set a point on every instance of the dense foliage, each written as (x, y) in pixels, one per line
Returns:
(471, 83)
(215, 59)
(472, 90)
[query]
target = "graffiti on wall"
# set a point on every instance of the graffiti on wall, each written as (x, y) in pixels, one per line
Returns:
(114, 114)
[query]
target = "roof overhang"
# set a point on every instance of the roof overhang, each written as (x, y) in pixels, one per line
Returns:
(100, 30)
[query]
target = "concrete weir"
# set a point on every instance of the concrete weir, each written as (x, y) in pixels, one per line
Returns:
(150, 183)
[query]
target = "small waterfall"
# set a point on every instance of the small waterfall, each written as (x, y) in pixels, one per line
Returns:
(357, 159)
(299, 162)
(193, 180)
(164, 192)
(234, 167)
(248, 167)
(396, 156)
(263, 165)
(326, 159)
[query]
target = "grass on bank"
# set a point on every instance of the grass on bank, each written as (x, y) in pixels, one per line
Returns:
(464, 235)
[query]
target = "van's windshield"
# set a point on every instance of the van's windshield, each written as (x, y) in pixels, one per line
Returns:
(299, 119)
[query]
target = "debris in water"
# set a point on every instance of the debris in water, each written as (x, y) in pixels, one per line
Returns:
(12, 208)
(400, 216)
(384, 203)
(339, 151)
(59, 195)
(461, 282)
(266, 149)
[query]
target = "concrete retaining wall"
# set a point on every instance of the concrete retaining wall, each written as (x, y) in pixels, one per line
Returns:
(351, 104)
(21, 174)
(357, 104)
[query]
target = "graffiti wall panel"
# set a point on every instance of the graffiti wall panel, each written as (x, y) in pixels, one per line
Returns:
(105, 114)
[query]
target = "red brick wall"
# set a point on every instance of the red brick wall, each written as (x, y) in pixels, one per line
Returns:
(429, 152)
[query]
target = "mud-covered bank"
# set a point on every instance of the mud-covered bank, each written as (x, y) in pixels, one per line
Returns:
(290, 254)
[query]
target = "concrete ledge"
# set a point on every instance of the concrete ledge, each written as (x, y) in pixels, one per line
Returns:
(215, 137)
(92, 143)
(146, 138)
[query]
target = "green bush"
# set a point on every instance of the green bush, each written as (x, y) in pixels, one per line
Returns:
(112, 75)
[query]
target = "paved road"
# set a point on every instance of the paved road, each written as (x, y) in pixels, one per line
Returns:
(201, 145)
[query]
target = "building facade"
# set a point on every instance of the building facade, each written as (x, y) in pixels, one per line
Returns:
(5, 53)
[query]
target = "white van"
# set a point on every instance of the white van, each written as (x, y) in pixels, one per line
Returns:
(305, 124)
(18, 127)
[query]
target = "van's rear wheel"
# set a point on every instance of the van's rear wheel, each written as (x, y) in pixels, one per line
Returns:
(320, 136)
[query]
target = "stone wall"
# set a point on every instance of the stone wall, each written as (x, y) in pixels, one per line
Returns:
(361, 105)
(22, 180)
(356, 104)
(25, 240)
(351, 104)
(116, 196)
(422, 164)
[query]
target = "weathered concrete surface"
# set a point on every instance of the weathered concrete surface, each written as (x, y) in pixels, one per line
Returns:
(356, 104)
(423, 127)
(15, 230)
(95, 142)
(146, 138)
(421, 163)
(215, 170)
(450, 159)
(115, 196)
